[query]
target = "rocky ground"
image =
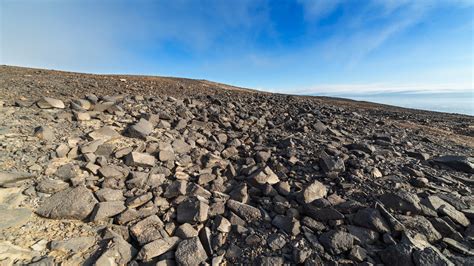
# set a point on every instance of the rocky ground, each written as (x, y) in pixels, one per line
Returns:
(128, 170)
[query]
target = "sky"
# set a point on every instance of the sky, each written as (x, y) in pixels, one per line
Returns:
(299, 46)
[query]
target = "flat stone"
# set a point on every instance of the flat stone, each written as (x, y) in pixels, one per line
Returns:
(72, 203)
(92, 146)
(148, 229)
(73, 245)
(140, 159)
(104, 210)
(245, 211)
(190, 252)
(460, 163)
(13, 179)
(48, 103)
(13, 217)
(82, 116)
(157, 248)
(50, 186)
(371, 218)
(455, 215)
(166, 155)
(430, 256)
(180, 146)
(105, 133)
(403, 202)
(108, 194)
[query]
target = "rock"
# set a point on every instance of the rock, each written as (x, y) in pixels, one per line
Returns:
(141, 129)
(82, 116)
(48, 103)
(66, 171)
(329, 164)
(105, 133)
(13, 179)
(166, 155)
(460, 163)
(454, 214)
(358, 254)
(72, 203)
(337, 241)
(421, 225)
(91, 147)
(104, 210)
(287, 224)
(276, 241)
(430, 256)
(192, 210)
(44, 133)
(50, 186)
(157, 248)
(361, 147)
(176, 188)
(10, 253)
(186, 231)
(314, 191)
(371, 218)
(13, 217)
(73, 245)
(140, 159)
(148, 229)
(117, 252)
(222, 224)
(264, 176)
(245, 211)
(108, 194)
(180, 146)
(458, 247)
(190, 252)
(402, 201)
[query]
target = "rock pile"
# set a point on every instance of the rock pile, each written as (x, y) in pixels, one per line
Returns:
(267, 179)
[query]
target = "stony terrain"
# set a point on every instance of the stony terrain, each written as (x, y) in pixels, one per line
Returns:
(130, 170)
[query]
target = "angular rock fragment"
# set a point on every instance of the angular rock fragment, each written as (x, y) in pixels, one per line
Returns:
(73, 203)
(44, 133)
(156, 248)
(148, 229)
(140, 159)
(314, 191)
(247, 212)
(192, 210)
(104, 210)
(336, 241)
(105, 133)
(190, 252)
(264, 176)
(460, 163)
(141, 129)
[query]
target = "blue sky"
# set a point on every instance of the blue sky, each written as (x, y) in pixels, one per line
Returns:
(296, 46)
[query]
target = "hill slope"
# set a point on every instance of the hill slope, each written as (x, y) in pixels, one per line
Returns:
(115, 169)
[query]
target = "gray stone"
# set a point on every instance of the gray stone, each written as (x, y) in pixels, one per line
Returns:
(50, 186)
(13, 179)
(245, 211)
(73, 203)
(287, 224)
(336, 241)
(157, 248)
(401, 201)
(105, 133)
(371, 218)
(104, 210)
(73, 245)
(141, 129)
(108, 194)
(329, 164)
(14, 217)
(48, 103)
(148, 229)
(430, 256)
(460, 163)
(140, 159)
(180, 146)
(186, 231)
(190, 252)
